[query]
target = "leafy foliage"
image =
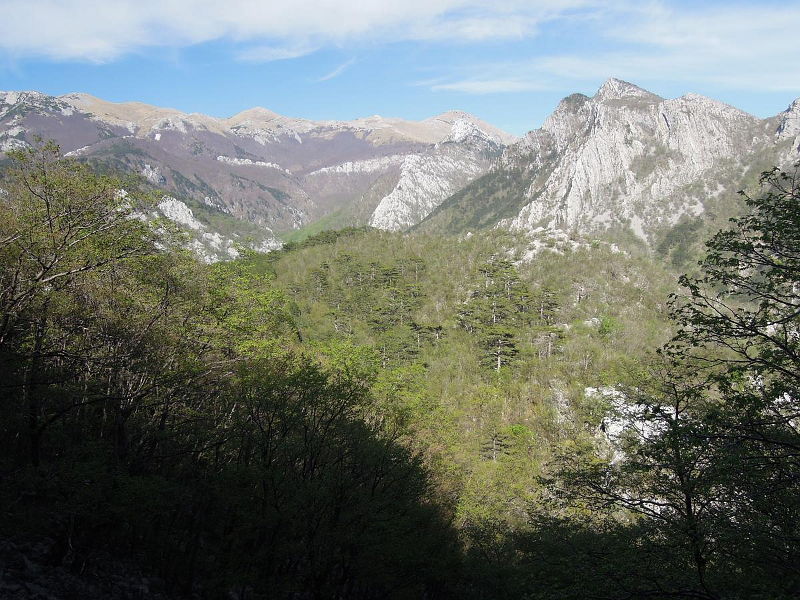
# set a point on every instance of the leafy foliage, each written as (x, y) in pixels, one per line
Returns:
(366, 414)
(158, 407)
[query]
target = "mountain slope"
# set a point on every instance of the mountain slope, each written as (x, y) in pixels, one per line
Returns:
(624, 159)
(277, 172)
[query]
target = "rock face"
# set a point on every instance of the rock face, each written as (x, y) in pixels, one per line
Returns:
(788, 130)
(209, 246)
(277, 172)
(429, 178)
(624, 159)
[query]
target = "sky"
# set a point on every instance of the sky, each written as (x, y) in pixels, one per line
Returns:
(507, 61)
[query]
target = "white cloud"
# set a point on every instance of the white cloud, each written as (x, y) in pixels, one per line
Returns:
(338, 70)
(731, 46)
(737, 45)
(102, 31)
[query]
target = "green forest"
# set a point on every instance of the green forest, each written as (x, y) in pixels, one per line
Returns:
(365, 414)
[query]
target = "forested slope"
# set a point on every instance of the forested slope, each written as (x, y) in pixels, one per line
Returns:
(367, 414)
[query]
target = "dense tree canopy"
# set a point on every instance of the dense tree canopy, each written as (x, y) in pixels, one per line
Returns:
(364, 414)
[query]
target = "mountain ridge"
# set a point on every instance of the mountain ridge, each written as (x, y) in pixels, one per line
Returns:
(148, 113)
(280, 173)
(623, 159)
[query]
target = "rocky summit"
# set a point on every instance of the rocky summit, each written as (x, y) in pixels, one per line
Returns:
(623, 159)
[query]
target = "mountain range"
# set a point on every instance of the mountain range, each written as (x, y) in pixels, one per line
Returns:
(624, 160)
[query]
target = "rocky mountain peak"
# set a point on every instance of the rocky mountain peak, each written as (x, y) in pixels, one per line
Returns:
(577, 114)
(255, 114)
(455, 123)
(616, 89)
(463, 129)
(625, 159)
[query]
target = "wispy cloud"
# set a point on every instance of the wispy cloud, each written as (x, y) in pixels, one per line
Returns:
(736, 47)
(104, 31)
(338, 70)
(271, 53)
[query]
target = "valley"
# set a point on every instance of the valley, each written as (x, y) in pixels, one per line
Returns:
(267, 357)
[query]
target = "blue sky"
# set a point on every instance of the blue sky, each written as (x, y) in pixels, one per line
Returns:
(507, 61)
